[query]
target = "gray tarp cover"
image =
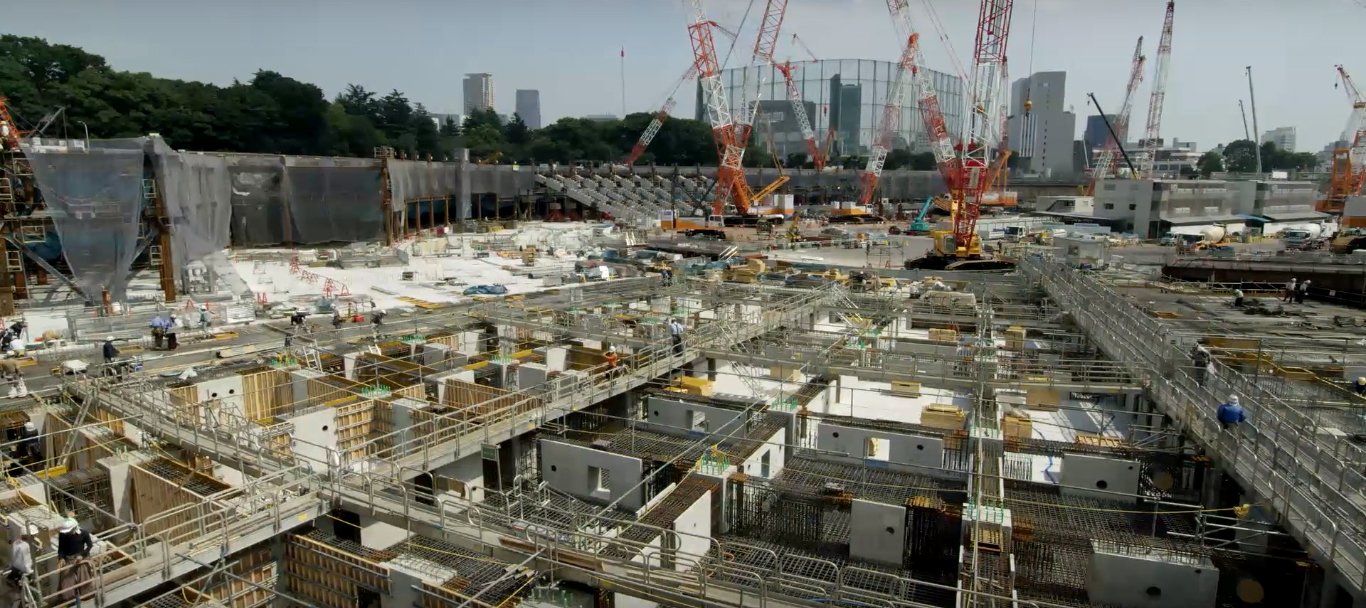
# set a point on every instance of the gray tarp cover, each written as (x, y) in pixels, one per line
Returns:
(96, 200)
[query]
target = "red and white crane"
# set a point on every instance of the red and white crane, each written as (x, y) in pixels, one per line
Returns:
(891, 122)
(1153, 133)
(821, 153)
(658, 121)
(982, 132)
(765, 43)
(794, 95)
(1347, 175)
(1106, 162)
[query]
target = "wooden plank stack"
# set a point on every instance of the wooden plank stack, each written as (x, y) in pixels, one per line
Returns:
(941, 416)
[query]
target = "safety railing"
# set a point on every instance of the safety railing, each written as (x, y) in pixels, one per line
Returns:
(540, 404)
(709, 569)
(1311, 478)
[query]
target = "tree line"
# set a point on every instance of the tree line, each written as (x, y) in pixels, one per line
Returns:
(1240, 156)
(274, 114)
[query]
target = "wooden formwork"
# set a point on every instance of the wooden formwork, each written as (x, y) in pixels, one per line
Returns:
(330, 576)
(470, 400)
(90, 444)
(165, 507)
(185, 404)
(354, 424)
(265, 393)
(254, 571)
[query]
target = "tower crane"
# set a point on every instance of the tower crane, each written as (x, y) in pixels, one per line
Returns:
(830, 127)
(658, 121)
(1348, 173)
(730, 174)
(1153, 133)
(891, 122)
(1106, 162)
(794, 95)
(765, 43)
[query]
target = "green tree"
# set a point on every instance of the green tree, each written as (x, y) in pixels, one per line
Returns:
(897, 159)
(516, 132)
(797, 160)
(1240, 156)
(923, 161)
(450, 128)
(1210, 163)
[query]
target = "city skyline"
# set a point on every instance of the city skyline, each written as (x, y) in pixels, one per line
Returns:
(1295, 79)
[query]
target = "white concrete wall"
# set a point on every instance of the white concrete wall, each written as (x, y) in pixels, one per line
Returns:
(776, 450)
(469, 471)
(1099, 477)
(694, 528)
(902, 448)
(314, 435)
(877, 532)
(566, 468)
(376, 534)
(227, 390)
(679, 415)
(1148, 582)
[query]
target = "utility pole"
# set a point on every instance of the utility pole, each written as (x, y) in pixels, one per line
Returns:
(1252, 97)
(1246, 135)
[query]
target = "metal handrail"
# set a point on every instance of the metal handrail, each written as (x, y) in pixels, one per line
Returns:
(1314, 474)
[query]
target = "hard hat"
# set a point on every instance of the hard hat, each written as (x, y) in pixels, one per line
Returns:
(611, 349)
(29, 426)
(69, 525)
(1233, 399)
(203, 307)
(1361, 380)
(109, 339)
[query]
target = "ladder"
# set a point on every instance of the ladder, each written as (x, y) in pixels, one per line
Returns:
(6, 195)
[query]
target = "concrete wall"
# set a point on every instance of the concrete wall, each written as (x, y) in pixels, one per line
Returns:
(1084, 475)
(468, 471)
(694, 528)
(376, 534)
(566, 468)
(902, 448)
(403, 590)
(776, 452)
(877, 532)
(682, 416)
(314, 434)
(1150, 581)
(227, 390)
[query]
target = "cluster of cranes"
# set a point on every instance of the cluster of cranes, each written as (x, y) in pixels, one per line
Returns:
(970, 166)
(1347, 175)
(1105, 163)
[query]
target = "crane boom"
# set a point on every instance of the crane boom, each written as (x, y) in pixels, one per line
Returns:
(989, 62)
(658, 121)
(1164, 53)
(717, 108)
(799, 110)
(765, 43)
(1347, 175)
(1106, 162)
(891, 121)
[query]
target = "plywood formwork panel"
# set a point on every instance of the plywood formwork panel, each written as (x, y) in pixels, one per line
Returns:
(185, 403)
(165, 507)
(329, 572)
(261, 393)
(354, 427)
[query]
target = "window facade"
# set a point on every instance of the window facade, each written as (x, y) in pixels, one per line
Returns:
(848, 94)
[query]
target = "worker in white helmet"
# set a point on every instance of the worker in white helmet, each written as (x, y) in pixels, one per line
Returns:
(1361, 386)
(1231, 413)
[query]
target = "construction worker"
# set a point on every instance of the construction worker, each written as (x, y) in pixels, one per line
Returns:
(1237, 298)
(73, 557)
(1230, 413)
(21, 557)
(1290, 289)
(204, 318)
(172, 325)
(109, 351)
(613, 360)
(9, 374)
(1302, 291)
(676, 333)
(1200, 361)
(1361, 386)
(158, 326)
(337, 319)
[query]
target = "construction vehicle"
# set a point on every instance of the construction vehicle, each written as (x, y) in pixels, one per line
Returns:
(1348, 240)
(919, 225)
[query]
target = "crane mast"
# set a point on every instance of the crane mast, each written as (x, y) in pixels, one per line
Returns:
(658, 121)
(794, 96)
(1159, 94)
(891, 121)
(717, 108)
(1106, 162)
(765, 43)
(979, 139)
(1347, 175)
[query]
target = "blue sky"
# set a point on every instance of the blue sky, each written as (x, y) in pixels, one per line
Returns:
(569, 48)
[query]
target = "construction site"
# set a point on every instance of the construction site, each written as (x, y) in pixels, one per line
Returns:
(247, 380)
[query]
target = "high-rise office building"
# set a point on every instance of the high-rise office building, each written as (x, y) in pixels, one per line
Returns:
(1042, 136)
(1097, 134)
(1283, 137)
(478, 92)
(529, 107)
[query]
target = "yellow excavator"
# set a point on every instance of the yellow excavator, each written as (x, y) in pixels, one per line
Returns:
(948, 254)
